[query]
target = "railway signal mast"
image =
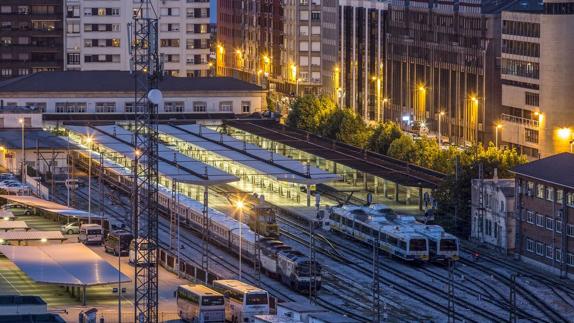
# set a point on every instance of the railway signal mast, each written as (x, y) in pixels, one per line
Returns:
(147, 70)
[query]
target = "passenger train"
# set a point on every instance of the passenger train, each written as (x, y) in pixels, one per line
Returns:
(443, 246)
(360, 223)
(223, 229)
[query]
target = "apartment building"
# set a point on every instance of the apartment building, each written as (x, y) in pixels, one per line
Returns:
(537, 83)
(249, 40)
(310, 46)
(492, 211)
(359, 74)
(441, 66)
(30, 37)
(96, 35)
(545, 212)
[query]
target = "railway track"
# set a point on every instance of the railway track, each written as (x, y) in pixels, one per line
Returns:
(231, 267)
(420, 285)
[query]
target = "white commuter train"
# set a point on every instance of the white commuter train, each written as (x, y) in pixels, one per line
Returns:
(443, 246)
(360, 223)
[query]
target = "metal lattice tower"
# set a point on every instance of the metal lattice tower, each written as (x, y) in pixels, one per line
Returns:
(451, 312)
(173, 210)
(257, 262)
(376, 282)
(143, 39)
(512, 312)
(205, 231)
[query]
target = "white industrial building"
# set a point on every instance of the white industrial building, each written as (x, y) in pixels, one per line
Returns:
(109, 96)
(492, 210)
(96, 35)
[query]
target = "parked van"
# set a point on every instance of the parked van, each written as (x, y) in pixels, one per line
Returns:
(143, 244)
(91, 234)
(118, 242)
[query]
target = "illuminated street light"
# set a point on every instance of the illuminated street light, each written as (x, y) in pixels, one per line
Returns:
(564, 133)
(43, 240)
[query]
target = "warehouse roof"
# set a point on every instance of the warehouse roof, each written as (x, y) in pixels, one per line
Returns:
(556, 169)
(116, 81)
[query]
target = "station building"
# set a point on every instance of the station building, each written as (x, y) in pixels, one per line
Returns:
(109, 96)
(545, 212)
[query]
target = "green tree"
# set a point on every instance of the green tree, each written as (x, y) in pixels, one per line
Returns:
(310, 112)
(403, 148)
(346, 126)
(382, 137)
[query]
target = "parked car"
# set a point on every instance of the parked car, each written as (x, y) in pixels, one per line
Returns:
(15, 188)
(118, 242)
(17, 209)
(5, 176)
(70, 228)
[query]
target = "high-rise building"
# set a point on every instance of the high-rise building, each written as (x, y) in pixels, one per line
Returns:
(249, 40)
(310, 48)
(537, 82)
(441, 66)
(96, 35)
(30, 37)
(359, 74)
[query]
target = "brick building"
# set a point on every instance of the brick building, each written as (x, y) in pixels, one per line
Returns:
(545, 207)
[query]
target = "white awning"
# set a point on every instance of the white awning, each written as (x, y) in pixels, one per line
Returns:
(31, 236)
(13, 225)
(65, 264)
(48, 206)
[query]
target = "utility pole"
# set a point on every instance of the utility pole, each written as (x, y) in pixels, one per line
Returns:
(172, 209)
(456, 195)
(451, 312)
(376, 281)
(147, 70)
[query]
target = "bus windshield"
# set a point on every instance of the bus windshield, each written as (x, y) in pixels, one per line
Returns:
(256, 299)
(448, 245)
(418, 245)
(212, 300)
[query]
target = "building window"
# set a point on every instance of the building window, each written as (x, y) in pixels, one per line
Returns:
(549, 252)
(73, 58)
(38, 106)
(315, 15)
(105, 107)
(226, 106)
(559, 196)
(71, 107)
(129, 107)
(199, 107)
(540, 220)
(549, 193)
(570, 230)
(558, 253)
(540, 191)
(530, 245)
(540, 248)
(6, 72)
(530, 217)
(520, 68)
(532, 99)
(531, 135)
(245, 106)
(570, 199)
(519, 28)
(549, 223)
(174, 106)
(570, 260)
(169, 43)
(558, 226)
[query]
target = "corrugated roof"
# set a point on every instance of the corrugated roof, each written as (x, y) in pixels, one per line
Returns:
(557, 169)
(12, 225)
(33, 138)
(64, 264)
(117, 81)
(31, 235)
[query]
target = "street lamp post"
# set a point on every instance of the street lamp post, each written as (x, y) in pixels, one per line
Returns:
(440, 115)
(498, 126)
(23, 166)
(297, 87)
(239, 205)
(89, 141)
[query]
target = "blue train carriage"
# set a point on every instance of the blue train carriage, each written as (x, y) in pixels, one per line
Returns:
(360, 223)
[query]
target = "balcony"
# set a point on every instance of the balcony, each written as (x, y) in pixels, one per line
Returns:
(521, 121)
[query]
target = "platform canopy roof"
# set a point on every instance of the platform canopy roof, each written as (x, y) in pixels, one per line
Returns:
(184, 170)
(272, 164)
(13, 225)
(47, 206)
(31, 236)
(63, 264)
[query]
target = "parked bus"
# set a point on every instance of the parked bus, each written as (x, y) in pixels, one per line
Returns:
(91, 234)
(198, 304)
(242, 301)
(143, 245)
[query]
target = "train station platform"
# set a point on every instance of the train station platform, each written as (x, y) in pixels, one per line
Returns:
(390, 181)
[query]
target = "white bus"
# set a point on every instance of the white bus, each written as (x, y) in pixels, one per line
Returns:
(143, 245)
(242, 301)
(91, 234)
(198, 304)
